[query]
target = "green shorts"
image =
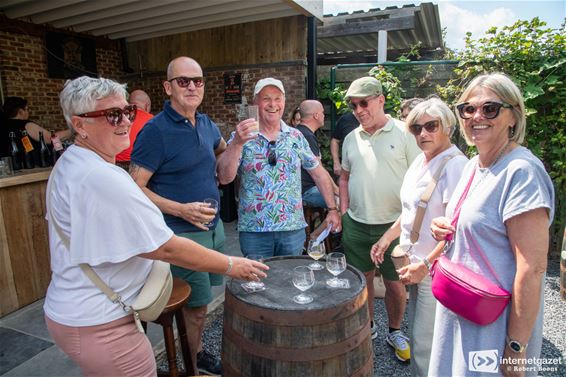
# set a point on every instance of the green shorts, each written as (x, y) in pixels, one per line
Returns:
(201, 282)
(357, 240)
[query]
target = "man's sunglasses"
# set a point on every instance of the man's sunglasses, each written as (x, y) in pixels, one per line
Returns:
(430, 127)
(271, 155)
(489, 110)
(363, 103)
(184, 81)
(113, 115)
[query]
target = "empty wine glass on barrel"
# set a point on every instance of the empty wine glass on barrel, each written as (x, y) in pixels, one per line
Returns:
(253, 286)
(316, 251)
(335, 264)
(303, 279)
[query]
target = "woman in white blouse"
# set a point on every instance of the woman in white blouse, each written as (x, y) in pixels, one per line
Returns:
(432, 123)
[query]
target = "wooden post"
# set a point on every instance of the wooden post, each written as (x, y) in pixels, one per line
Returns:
(563, 268)
(382, 46)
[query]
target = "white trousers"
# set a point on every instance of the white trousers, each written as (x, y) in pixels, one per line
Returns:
(421, 313)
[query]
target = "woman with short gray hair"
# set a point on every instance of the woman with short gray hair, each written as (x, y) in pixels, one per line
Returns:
(99, 216)
(431, 122)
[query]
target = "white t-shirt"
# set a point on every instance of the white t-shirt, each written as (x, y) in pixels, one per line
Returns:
(415, 183)
(109, 221)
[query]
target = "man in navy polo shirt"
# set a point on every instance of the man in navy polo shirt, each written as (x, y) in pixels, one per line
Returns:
(174, 163)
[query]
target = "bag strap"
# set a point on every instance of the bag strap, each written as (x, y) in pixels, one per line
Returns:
(87, 269)
(423, 203)
(475, 248)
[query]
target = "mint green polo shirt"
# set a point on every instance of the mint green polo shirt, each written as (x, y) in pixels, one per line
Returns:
(377, 164)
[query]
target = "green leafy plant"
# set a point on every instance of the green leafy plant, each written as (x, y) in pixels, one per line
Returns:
(534, 56)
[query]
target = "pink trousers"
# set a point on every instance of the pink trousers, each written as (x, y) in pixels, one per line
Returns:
(116, 348)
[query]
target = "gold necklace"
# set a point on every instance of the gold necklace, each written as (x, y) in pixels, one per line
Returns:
(501, 152)
(486, 170)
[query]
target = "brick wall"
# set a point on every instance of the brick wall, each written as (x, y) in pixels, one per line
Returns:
(23, 66)
(292, 75)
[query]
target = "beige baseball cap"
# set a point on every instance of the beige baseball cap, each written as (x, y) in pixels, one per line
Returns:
(266, 82)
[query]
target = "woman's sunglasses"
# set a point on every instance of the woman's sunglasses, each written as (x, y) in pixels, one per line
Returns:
(113, 115)
(489, 110)
(271, 156)
(184, 81)
(430, 127)
(363, 103)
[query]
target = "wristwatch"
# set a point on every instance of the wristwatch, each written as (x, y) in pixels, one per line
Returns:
(515, 346)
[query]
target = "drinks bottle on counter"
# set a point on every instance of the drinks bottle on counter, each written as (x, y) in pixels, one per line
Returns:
(57, 147)
(44, 155)
(15, 152)
(28, 162)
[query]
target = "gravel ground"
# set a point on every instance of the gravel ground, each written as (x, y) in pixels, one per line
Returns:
(385, 363)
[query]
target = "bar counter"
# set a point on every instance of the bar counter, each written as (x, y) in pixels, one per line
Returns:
(24, 245)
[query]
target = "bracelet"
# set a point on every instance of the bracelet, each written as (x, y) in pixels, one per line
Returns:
(332, 208)
(427, 263)
(230, 265)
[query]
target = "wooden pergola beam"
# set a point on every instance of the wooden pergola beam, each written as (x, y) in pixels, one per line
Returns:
(366, 27)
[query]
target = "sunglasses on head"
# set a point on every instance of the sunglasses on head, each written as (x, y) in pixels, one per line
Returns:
(430, 127)
(363, 103)
(113, 115)
(489, 110)
(184, 81)
(271, 156)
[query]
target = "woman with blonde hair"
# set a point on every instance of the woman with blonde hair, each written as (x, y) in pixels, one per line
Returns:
(499, 217)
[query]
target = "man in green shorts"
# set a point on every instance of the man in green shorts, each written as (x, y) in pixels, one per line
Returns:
(375, 158)
(174, 162)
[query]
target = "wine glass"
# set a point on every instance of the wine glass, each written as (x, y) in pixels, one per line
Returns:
(254, 285)
(212, 203)
(316, 251)
(335, 264)
(303, 279)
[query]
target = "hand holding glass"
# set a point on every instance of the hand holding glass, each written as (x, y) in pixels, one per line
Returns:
(253, 286)
(212, 203)
(253, 113)
(335, 264)
(303, 279)
(316, 251)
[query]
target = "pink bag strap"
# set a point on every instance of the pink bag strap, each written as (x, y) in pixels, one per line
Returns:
(454, 223)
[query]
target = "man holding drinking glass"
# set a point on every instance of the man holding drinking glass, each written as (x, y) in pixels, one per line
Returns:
(270, 215)
(375, 158)
(174, 162)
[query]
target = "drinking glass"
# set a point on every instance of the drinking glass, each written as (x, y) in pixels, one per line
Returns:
(213, 203)
(252, 111)
(335, 264)
(316, 251)
(252, 286)
(303, 279)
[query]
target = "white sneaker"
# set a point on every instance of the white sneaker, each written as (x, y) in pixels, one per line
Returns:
(373, 330)
(400, 343)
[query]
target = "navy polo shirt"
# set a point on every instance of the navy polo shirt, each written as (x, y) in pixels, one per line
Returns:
(181, 158)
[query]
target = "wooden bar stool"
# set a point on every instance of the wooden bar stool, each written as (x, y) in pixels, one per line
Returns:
(174, 310)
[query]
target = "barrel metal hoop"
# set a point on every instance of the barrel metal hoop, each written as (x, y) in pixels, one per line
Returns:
(296, 318)
(298, 354)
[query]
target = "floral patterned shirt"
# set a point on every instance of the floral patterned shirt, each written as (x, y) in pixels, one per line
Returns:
(270, 196)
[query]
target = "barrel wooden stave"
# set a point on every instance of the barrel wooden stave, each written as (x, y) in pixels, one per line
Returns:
(327, 342)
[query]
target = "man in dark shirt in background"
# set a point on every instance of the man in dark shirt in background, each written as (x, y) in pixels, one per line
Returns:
(345, 124)
(312, 118)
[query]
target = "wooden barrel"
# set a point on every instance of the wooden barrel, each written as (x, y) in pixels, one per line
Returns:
(267, 334)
